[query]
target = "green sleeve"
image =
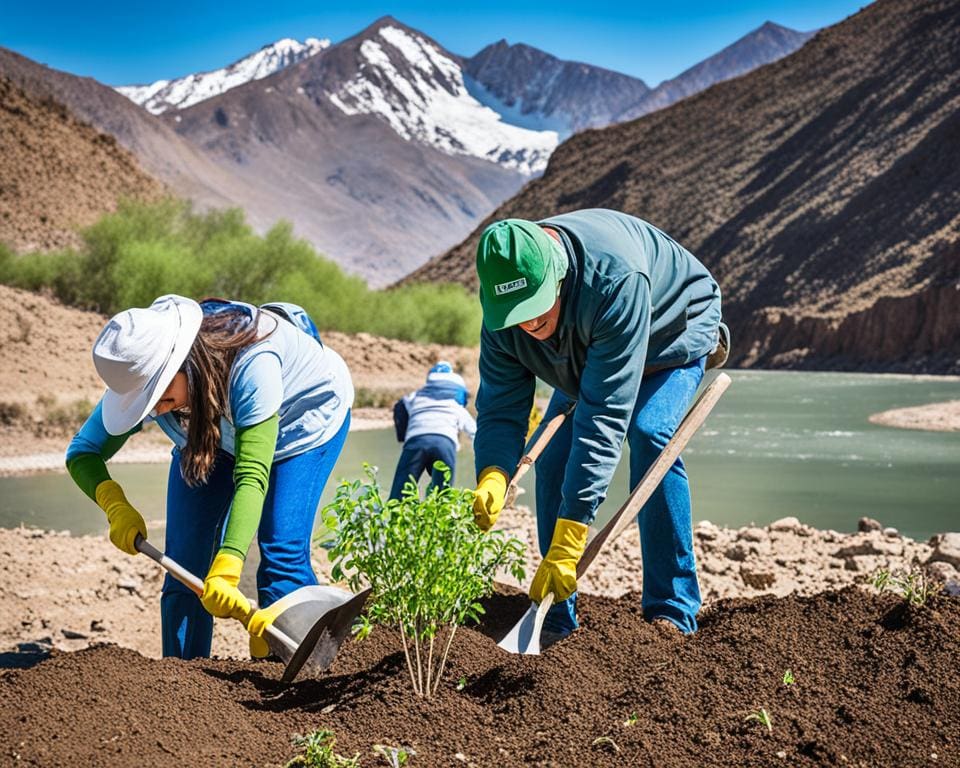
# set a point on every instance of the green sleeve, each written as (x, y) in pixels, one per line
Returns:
(254, 448)
(88, 470)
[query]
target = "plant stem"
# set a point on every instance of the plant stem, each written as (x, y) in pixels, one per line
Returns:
(430, 667)
(406, 653)
(416, 647)
(443, 659)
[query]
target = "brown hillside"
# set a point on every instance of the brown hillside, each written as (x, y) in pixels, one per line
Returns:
(47, 378)
(160, 151)
(822, 190)
(56, 172)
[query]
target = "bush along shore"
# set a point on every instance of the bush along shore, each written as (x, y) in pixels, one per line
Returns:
(145, 250)
(843, 653)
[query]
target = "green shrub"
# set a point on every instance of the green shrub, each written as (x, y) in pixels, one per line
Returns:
(142, 251)
(427, 562)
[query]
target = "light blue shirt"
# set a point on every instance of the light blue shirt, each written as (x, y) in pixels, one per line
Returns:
(288, 373)
(436, 410)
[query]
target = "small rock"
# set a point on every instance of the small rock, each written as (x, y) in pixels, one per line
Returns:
(72, 635)
(869, 547)
(946, 548)
(947, 575)
(97, 626)
(714, 567)
(785, 524)
(752, 534)
(706, 530)
(782, 755)
(128, 584)
(891, 533)
(758, 579)
(867, 524)
(863, 563)
(736, 552)
(44, 645)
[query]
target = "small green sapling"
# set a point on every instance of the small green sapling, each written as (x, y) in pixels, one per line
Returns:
(762, 717)
(426, 560)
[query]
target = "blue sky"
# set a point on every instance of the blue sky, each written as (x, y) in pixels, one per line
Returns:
(136, 42)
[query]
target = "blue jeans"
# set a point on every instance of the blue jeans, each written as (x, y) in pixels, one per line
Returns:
(195, 523)
(418, 455)
(670, 587)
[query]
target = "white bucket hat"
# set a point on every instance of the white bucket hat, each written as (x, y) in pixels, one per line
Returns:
(138, 353)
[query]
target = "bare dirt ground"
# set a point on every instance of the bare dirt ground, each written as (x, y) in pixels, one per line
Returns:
(69, 592)
(48, 384)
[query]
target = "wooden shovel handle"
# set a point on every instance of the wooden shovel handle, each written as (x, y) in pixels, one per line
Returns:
(537, 447)
(688, 427)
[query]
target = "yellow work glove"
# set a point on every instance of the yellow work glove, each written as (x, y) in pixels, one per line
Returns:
(125, 521)
(558, 571)
(489, 496)
(220, 594)
(257, 627)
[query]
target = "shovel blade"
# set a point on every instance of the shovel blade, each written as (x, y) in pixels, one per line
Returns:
(323, 639)
(524, 637)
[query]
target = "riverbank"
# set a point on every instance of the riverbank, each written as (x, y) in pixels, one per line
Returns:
(23, 452)
(66, 592)
(935, 417)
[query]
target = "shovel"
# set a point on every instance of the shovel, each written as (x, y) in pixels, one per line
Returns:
(524, 637)
(539, 441)
(311, 624)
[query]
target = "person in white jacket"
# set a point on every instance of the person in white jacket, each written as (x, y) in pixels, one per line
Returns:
(429, 422)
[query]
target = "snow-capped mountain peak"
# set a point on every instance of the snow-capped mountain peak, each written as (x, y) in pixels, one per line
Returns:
(418, 89)
(164, 95)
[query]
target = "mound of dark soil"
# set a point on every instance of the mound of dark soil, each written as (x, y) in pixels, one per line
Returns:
(875, 685)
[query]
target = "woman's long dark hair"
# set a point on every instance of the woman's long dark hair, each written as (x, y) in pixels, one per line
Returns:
(221, 337)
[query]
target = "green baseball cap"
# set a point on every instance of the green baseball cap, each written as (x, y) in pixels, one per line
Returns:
(520, 267)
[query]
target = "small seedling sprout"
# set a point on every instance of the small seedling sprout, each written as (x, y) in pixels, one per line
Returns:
(762, 717)
(396, 757)
(461, 683)
(914, 586)
(361, 628)
(606, 741)
(631, 720)
(788, 678)
(318, 752)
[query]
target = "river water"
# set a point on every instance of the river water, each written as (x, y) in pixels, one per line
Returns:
(777, 444)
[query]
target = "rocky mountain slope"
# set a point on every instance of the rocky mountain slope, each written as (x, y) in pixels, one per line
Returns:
(313, 142)
(162, 95)
(159, 150)
(532, 88)
(538, 90)
(763, 45)
(823, 191)
(57, 173)
(383, 150)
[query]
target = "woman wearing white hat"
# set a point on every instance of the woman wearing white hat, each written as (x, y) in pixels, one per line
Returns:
(258, 410)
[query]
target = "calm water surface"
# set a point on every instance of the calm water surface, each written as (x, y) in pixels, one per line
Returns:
(778, 444)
